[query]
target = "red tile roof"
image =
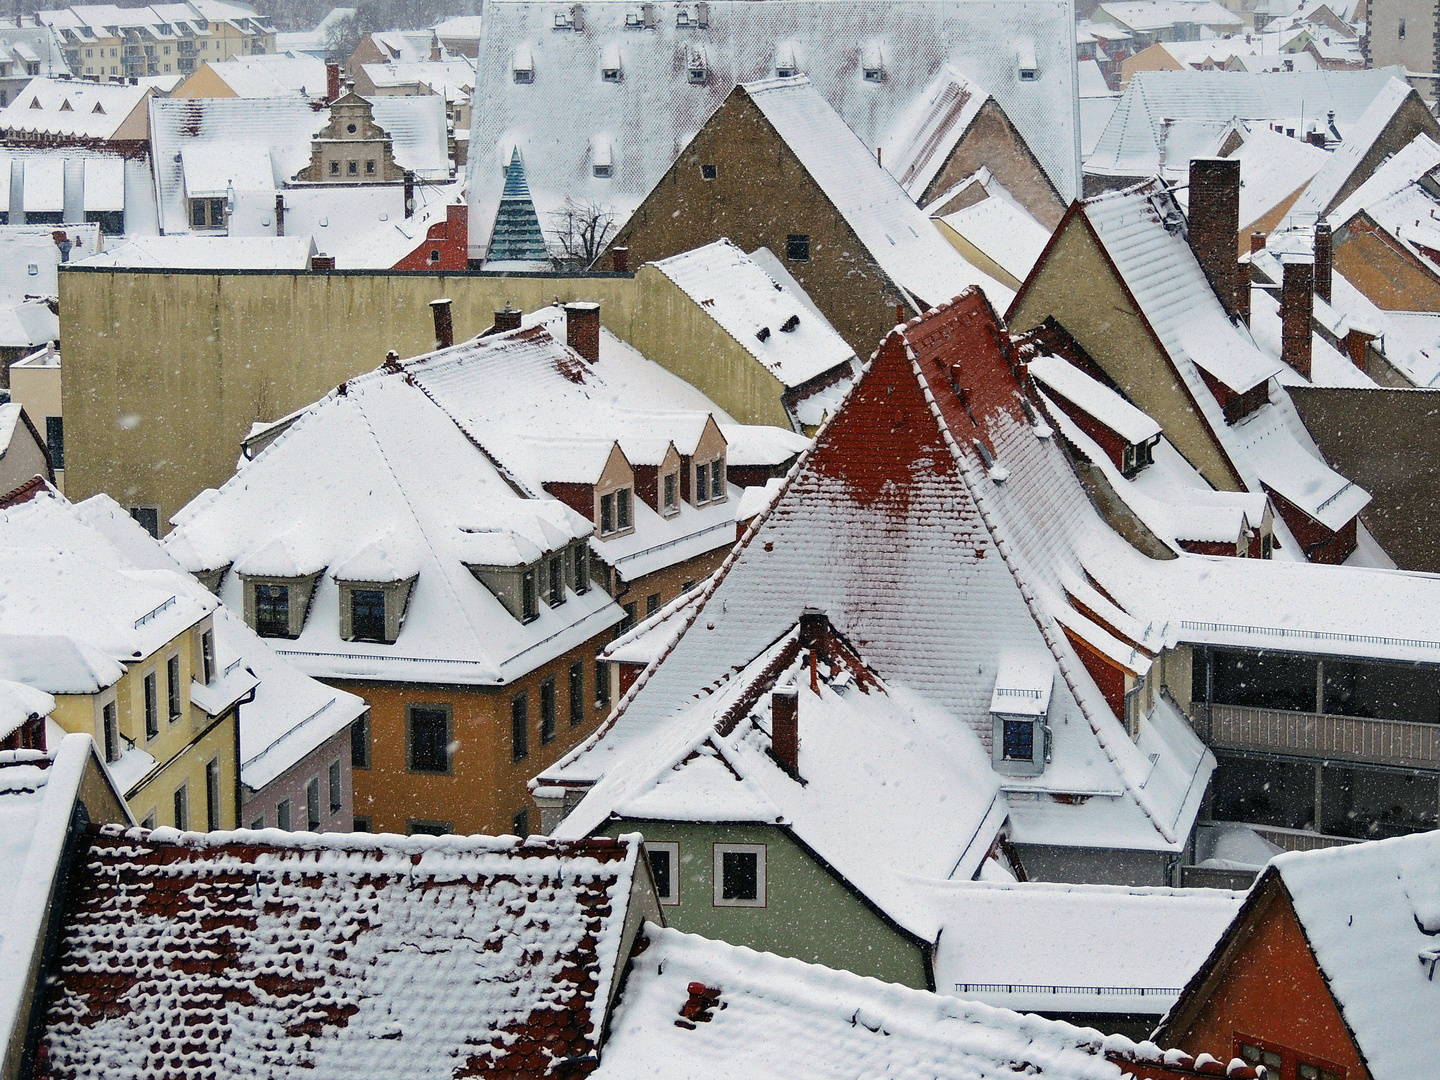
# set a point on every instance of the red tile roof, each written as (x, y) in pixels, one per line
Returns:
(249, 954)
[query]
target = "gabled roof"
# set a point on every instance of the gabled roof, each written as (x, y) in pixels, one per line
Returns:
(1159, 14)
(737, 293)
(1395, 198)
(706, 1008)
(1096, 399)
(264, 75)
(1273, 167)
(1130, 145)
(77, 109)
(655, 109)
(896, 232)
(342, 955)
(923, 137)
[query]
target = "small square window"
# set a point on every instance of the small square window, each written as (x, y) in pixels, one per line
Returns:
(611, 75)
(429, 738)
(547, 711)
(334, 168)
(520, 823)
(148, 518)
(665, 870)
(708, 172)
(369, 168)
(604, 172)
(525, 75)
(352, 168)
(740, 875)
(797, 247)
(1020, 740)
(361, 824)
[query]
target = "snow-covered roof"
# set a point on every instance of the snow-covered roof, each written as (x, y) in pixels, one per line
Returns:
(1395, 199)
(655, 110)
(29, 255)
(1095, 398)
(71, 108)
(280, 74)
(1369, 911)
(924, 513)
(1130, 145)
(413, 955)
(58, 664)
(190, 18)
(739, 295)
(19, 703)
(1360, 138)
(767, 1017)
(102, 173)
(209, 253)
(1328, 365)
(1001, 229)
(1074, 948)
(223, 134)
(894, 230)
(452, 79)
(1273, 167)
(1160, 14)
(923, 137)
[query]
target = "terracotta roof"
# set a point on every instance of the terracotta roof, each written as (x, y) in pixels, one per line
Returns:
(252, 954)
(36, 485)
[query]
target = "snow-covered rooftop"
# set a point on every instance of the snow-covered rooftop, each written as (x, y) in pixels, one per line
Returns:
(1095, 398)
(396, 955)
(1161, 14)
(208, 253)
(1360, 138)
(280, 74)
(568, 111)
(744, 299)
(72, 108)
(1003, 231)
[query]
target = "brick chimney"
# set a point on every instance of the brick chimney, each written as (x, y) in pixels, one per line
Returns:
(582, 329)
(507, 318)
(322, 262)
(815, 631)
(620, 260)
(785, 728)
(1355, 342)
(444, 328)
(332, 82)
(1215, 228)
(1257, 242)
(1323, 271)
(1296, 302)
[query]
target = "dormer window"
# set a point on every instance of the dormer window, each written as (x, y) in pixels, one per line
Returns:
(580, 567)
(529, 599)
(670, 494)
(696, 70)
(785, 64)
(615, 512)
(1139, 455)
(1019, 707)
(710, 481)
(275, 607)
(610, 67)
(272, 610)
(556, 592)
(1029, 70)
(872, 64)
(523, 65)
(603, 164)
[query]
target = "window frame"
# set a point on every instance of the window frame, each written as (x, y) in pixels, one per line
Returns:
(520, 822)
(670, 494)
(761, 884)
(55, 441)
(426, 827)
(1007, 723)
(137, 511)
(180, 806)
(266, 628)
(355, 622)
(336, 780)
(312, 805)
(442, 708)
(717, 480)
(361, 726)
(112, 743)
(577, 693)
(529, 595)
(549, 712)
(602, 685)
(207, 655)
(212, 794)
(797, 247)
(519, 727)
(150, 693)
(173, 705)
(283, 820)
(672, 897)
(580, 566)
(555, 594)
(709, 172)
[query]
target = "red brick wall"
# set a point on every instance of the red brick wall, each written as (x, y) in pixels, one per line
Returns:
(1111, 443)
(1318, 543)
(449, 239)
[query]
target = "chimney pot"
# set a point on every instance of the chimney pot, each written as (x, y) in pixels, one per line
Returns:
(1323, 251)
(332, 82)
(620, 259)
(1296, 302)
(1215, 228)
(785, 728)
(506, 318)
(582, 329)
(444, 327)
(1257, 242)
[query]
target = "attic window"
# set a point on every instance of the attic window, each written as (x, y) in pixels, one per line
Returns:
(602, 164)
(872, 64)
(1025, 61)
(523, 65)
(785, 65)
(65, 106)
(610, 68)
(98, 109)
(797, 247)
(708, 172)
(682, 19)
(35, 103)
(697, 72)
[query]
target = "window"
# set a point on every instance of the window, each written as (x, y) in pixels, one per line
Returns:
(149, 822)
(615, 512)
(708, 172)
(361, 824)
(360, 742)
(1020, 740)
(312, 805)
(207, 654)
(148, 518)
(525, 75)
(282, 815)
(604, 172)
(797, 247)
(414, 827)
(1402, 29)
(182, 808)
(367, 615)
(352, 168)
(530, 605)
(272, 610)
(212, 794)
(652, 604)
(429, 737)
(607, 514)
(1315, 1072)
(668, 506)
(602, 685)
(152, 707)
(702, 484)
(547, 710)
(665, 870)
(55, 441)
(582, 567)
(334, 168)
(207, 213)
(739, 875)
(336, 788)
(1254, 1055)
(258, 823)
(610, 74)
(520, 823)
(519, 727)
(111, 731)
(369, 168)
(687, 586)
(622, 509)
(172, 686)
(557, 581)
(629, 620)
(717, 479)
(577, 692)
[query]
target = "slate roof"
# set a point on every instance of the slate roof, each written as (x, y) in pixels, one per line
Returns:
(646, 118)
(244, 954)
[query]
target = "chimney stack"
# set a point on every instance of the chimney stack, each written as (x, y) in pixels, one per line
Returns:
(1257, 242)
(444, 328)
(1355, 342)
(507, 318)
(1296, 295)
(1323, 249)
(332, 82)
(785, 728)
(1215, 228)
(409, 193)
(582, 329)
(814, 631)
(322, 262)
(279, 215)
(620, 260)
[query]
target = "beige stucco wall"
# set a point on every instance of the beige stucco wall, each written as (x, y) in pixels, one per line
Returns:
(23, 459)
(38, 390)
(203, 83)
(1076, 286)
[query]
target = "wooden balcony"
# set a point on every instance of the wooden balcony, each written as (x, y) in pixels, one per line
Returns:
(1319, 735)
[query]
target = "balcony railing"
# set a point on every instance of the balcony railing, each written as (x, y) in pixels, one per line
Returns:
(1319, 735)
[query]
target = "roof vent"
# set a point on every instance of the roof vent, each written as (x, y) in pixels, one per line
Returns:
(790, 324)
(763, 333)
(702, 15)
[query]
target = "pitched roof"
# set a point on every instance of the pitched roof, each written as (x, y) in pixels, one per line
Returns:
(743, 298)
(655, 110)
(706, 1008)
(77, 109)
(1130, 145)
(896, 232)
(336, 954)
(923, 137)
(1396, 199)
(1360, 139)
(209, 253)
(280, 74)
(1159, 14)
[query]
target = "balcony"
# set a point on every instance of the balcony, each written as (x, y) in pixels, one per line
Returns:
(1322, 736)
